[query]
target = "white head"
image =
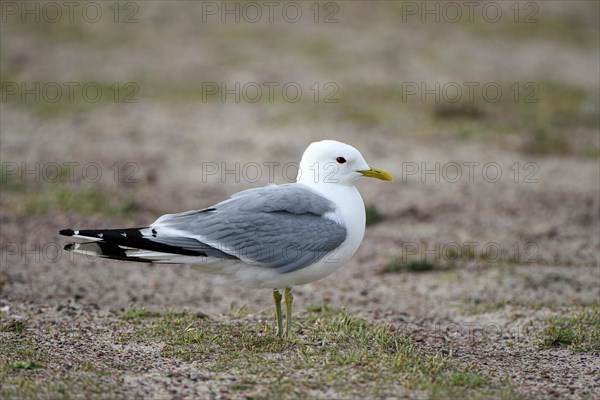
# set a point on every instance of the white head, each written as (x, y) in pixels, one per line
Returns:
(329, 161)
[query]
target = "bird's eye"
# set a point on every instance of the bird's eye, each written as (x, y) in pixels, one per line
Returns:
(340, 160)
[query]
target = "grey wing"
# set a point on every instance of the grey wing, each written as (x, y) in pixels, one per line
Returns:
(281, 227)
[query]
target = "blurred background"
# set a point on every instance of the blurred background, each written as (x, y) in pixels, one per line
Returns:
(487, 114)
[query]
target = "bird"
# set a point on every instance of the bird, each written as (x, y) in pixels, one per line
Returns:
(273, 237)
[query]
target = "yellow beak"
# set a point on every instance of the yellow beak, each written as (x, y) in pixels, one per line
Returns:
(378, 174)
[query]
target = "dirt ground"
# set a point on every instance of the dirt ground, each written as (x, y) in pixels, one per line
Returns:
(501, 204)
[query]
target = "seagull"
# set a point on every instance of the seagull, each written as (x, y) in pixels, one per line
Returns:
(271, 237)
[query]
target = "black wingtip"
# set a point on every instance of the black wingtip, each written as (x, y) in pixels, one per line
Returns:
(67, 232)
(69, 246)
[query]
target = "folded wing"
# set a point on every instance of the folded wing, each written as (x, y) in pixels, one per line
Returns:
(281, 227)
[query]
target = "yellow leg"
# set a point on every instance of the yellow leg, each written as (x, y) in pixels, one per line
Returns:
(289, 297)
(277, 299)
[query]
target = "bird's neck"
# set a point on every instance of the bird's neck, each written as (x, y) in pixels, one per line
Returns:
(330, 190)
(346, 197)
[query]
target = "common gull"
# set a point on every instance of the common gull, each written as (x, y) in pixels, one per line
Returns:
(271, 237)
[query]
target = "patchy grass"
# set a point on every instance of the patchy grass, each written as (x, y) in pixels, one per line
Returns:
(536, 117)
(579, 331)
(15, 326)
(20, 353)
(87, 96)
(10, 181)
(413, 266)
(542, 115)
(482, 306)
(31, 370)
(135, 314)
(24, 365)
(464, 109)
(83, 198)
(373, 214)
(55, 192)
(426, 257)
(332, 351)
(535, 21)
(69, 387)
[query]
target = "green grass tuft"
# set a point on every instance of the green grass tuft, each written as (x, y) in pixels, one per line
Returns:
(11, 182)
(479, 306)
(20, 353)
(579, 331)
(414, 266)
(18, 327)
(135, 314)
(84, 199)
(436, 258)
(373, 214)
(57, 192)
(81, 198)
(19, 365)
(466, 110)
